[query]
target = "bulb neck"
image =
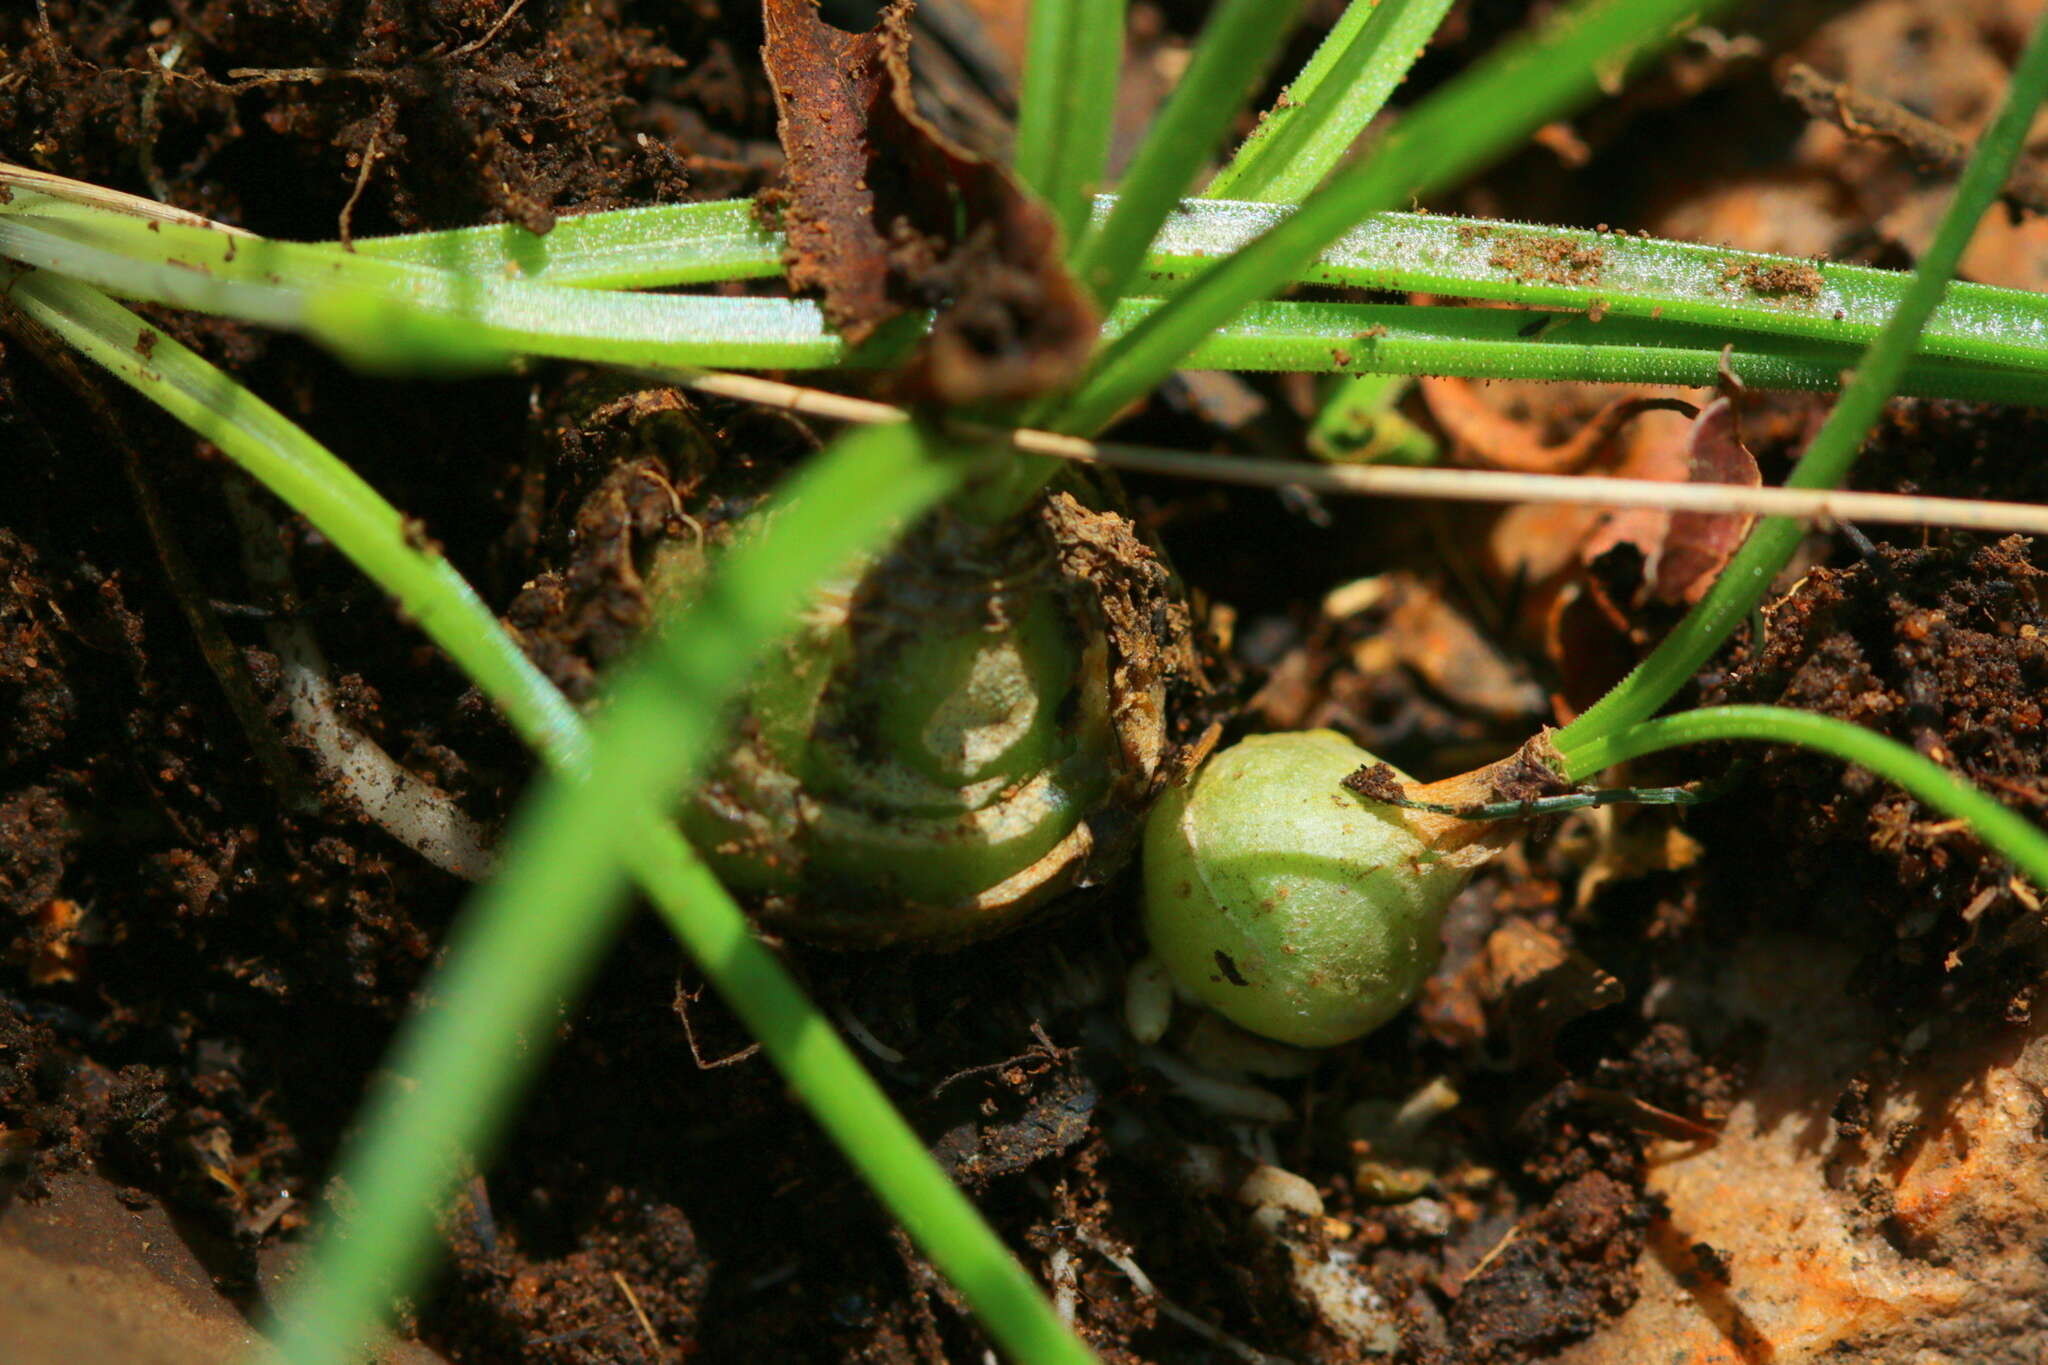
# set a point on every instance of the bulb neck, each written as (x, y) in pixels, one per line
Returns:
(1529, 773)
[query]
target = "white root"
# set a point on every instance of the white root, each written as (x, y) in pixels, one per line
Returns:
(1170, 1310)
(1225, 1098)
(410, 809)
(1328, 1280)
(1148, 1000)
(865, 1036)
(1066, 1284)
(1216, 1044)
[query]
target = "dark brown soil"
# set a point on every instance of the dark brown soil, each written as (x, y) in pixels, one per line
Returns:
(204, 960)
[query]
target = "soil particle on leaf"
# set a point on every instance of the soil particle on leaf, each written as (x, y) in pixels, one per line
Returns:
(1772, 280)
(1546, 258)
(1377, 782)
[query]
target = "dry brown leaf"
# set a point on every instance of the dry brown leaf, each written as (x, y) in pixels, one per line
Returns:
(1491, 439)
(1522, 987)
(1636, 556)
(827, 83)
(1429, 636)
(883, 215)
(1681, 552)
(1698, 544)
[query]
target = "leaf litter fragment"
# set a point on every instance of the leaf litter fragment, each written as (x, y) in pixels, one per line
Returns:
(883, 214)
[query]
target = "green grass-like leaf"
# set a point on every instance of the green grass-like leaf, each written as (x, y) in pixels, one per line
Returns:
(1365, 55)
(643, 248)
(404, 315)
(393, 315)
(1064, 112)
(1493, 343)
(309, 479)
(1358, 421)
(1828, 458)
(1458, 129)
(1982, 343)
(2004, 830)
(1236, 46)
(519, 955)
(1622, 276)
(536, 928)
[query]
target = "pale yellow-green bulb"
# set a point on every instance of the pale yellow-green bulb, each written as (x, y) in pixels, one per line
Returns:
(1288, 904)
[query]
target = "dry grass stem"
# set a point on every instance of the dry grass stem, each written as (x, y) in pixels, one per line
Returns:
(1457, 485)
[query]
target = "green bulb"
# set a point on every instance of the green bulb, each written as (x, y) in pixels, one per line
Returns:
(1289, 904)
(965, 729)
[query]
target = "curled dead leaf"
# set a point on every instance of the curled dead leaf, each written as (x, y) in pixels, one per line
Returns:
(1698, 544)
(1682, 551)
(883, 215)
(1636, 557)
(1493, 440)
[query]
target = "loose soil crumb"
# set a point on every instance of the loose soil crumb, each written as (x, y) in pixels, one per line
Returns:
(1945, 649)
(1558, 1277)
(439, 114)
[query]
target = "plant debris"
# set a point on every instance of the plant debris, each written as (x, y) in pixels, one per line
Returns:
(1485, 437)
(885, 215)
(1929, 144)
(1696, 544)
(1519, 991)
